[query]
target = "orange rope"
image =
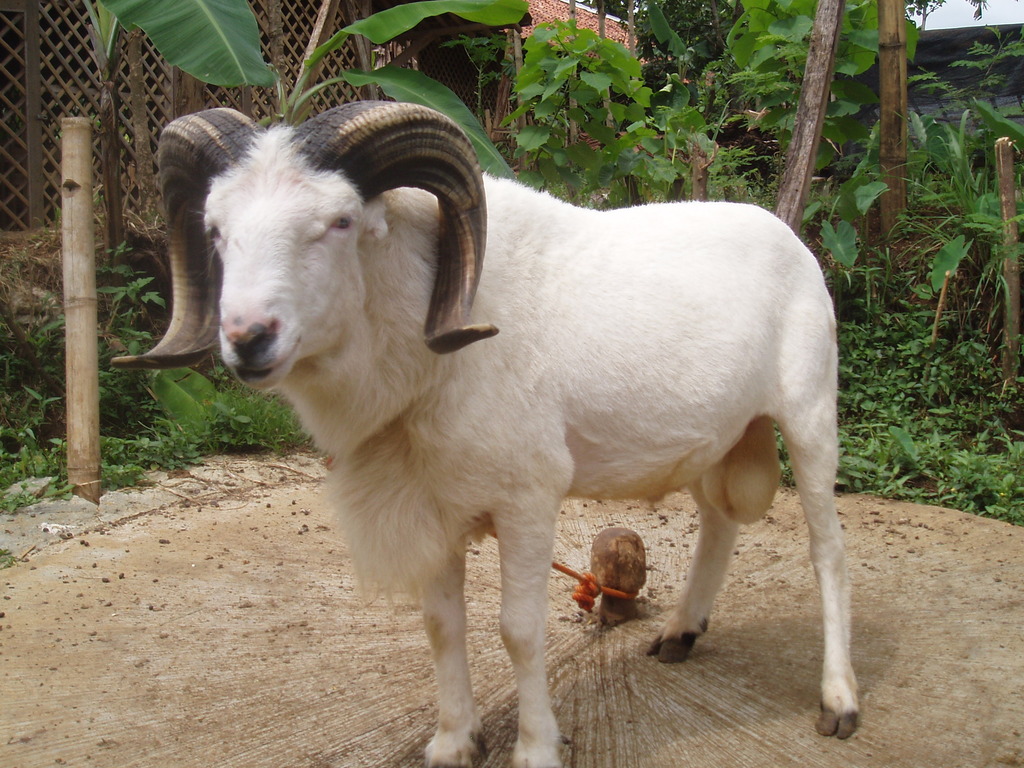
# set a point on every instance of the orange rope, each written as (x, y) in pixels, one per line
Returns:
(588, 589)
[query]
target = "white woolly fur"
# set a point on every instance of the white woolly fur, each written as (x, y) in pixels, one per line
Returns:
(640, 352)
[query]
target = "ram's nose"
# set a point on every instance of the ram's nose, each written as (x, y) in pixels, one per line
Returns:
(252, 341)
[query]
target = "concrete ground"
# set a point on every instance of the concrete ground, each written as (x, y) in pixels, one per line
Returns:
(213, 619)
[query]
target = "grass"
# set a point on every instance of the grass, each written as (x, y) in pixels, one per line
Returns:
(928, 424)
(139, 432)
(242, 421)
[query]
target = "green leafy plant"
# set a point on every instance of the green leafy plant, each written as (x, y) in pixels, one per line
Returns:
(769, 44)
(927, 423)
(589, 110)
(142, 430)
(487, 55)
(218, 42)
(953, 188)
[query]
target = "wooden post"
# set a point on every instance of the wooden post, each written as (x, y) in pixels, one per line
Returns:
(145, 165)
(1011, 260)
(810, 114)
(35, 172)
(110, 149)
(188, 94)
(79, 254)
(892, 91)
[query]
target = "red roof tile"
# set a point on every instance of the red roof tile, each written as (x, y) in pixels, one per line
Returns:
(558, 10)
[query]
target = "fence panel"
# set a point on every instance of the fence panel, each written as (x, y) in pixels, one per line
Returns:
(48, 71)
(21, 194)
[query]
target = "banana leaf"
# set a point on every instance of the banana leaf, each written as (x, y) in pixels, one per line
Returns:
(217, 41)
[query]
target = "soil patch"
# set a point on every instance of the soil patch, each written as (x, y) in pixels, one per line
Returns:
(215, 619)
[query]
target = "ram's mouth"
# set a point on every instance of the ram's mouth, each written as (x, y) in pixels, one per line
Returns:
(253, 376)
(266, 372)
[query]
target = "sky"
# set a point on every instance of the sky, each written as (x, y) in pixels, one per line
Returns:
(960, 13)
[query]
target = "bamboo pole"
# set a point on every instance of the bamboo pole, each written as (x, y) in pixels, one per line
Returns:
(941, 306)
(79, 256)
(810, 115)
(892, 92)
(1011, 260)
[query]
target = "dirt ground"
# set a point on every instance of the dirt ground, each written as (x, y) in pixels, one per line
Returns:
(213, 619)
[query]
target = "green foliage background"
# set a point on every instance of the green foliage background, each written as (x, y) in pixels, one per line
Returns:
(925, 415)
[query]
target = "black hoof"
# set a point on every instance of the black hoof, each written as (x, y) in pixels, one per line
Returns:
(840, 725)
(673, 650)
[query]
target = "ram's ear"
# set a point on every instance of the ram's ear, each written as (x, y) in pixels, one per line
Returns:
(193, 150)
(384, 145)
(375, 221)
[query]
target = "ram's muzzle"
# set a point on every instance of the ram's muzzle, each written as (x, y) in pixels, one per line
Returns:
(379, 146)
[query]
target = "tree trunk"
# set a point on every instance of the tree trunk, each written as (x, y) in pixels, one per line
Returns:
(810, 116)
(892, 82)
(1011, 261)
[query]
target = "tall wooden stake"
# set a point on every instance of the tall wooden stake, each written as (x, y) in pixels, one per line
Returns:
(892, 86)
(145, 167)
(810, 115)
(1011, 261)
(79, 254)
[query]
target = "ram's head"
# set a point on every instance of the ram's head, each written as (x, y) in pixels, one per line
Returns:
(374, 147)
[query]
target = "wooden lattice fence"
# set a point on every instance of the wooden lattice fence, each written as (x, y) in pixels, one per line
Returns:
(48, 71)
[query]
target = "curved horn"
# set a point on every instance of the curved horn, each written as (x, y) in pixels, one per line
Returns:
(383, 145)
(193, 150)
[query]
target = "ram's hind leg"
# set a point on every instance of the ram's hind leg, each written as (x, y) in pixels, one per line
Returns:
(813, 450)
(689, 619)
(738, 489)
(457, 740)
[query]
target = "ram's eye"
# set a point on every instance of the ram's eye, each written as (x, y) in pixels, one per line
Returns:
(343, 222)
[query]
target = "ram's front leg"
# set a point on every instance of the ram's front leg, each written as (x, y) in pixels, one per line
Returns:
(457, 740)
(525, 552)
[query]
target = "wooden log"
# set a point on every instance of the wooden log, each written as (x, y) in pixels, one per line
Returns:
(810, 115)
(618, 560)
(79, 257)
(1011, 261)
(892, 86)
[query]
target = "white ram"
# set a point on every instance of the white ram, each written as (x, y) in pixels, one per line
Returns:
(641, 351)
